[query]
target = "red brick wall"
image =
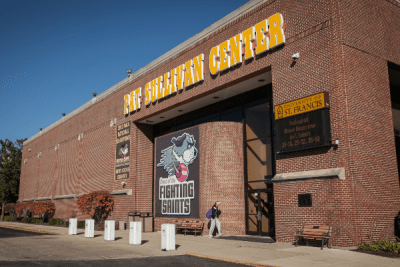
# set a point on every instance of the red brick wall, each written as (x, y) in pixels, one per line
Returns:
(344, 47)
(362, 207)
(221, 176)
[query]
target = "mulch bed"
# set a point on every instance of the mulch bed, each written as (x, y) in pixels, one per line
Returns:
(387, 254)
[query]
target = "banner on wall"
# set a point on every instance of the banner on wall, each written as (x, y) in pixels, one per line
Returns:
(177, 174)
(123, 147)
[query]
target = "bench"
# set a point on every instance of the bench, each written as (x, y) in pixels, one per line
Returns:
(188, 225)
(315, 232)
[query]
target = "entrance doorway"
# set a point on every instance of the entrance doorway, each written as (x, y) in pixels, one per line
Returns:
(259, 162)
(253, 109)
(259, 219)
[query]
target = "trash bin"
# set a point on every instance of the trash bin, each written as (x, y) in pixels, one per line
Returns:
(134, 216)
(147, 219)
(168, 236)
(121, 224)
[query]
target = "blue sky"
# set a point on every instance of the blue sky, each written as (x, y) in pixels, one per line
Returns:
(54, 54)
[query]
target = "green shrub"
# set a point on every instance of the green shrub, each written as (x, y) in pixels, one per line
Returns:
(7, 218)
(31, 220)
(67, 223)
(392, 246)
(367, 247)
(19, 219)
(55, 221)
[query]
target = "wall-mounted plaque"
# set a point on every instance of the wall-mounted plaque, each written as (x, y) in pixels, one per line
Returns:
(303, 131)
(302, 105)
(123, 148)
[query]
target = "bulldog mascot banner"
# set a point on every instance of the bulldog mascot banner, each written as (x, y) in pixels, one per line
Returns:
(177, 174)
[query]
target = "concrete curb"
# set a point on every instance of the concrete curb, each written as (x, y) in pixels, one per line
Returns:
(30, 230)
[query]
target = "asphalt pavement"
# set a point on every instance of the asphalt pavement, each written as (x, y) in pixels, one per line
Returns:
(173, 261)
(52, 246)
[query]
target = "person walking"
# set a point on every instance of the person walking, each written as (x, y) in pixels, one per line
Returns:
(214, 220)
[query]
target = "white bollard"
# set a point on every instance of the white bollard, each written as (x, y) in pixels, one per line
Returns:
(89, 228)
(168, 236)
(121, 225)
(73, 224)
(135, 233)
(109, 230)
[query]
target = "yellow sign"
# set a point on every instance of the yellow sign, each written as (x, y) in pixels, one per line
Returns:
(256, 40)
(302, 105)
(185, 75)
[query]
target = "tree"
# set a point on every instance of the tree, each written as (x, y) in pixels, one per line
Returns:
(10, 170)
(98, 205)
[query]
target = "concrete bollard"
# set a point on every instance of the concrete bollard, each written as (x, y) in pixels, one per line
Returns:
(168, 236)
(109, 230)
(73, 224)
(89, 228)
(135, 233)
(121, 225)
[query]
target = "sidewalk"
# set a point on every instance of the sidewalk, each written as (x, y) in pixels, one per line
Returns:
(77, 247)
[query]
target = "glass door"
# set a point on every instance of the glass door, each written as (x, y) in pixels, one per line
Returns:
(259, 161)
(259, 212)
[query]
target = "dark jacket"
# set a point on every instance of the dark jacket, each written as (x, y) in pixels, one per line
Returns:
(215, 212)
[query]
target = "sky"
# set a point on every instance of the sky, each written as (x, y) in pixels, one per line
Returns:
(55, 54)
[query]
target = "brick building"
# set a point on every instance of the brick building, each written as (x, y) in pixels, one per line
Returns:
(198, 125)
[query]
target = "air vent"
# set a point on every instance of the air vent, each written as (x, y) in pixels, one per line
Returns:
(305, 200)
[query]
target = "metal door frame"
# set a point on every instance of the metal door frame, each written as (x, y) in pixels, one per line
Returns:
(259, 220)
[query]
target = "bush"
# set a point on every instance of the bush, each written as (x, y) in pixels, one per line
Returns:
(31, 220)
(22, 209)
(392, 246)
(55, 221)
(43, 209)
(10, 208)
(19, 219)
(67, 223)
(7, 218)
(98, 205)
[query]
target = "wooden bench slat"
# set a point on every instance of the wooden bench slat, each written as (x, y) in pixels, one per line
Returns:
(189, 225)
(315, 232)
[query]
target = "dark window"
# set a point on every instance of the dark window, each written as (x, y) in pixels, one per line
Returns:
(185, 121)
(208, 114)
(165, 127)
(305, 200)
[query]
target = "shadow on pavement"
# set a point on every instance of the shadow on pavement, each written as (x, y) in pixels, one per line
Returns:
(10, 233)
